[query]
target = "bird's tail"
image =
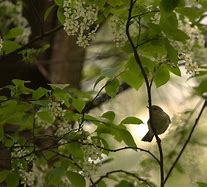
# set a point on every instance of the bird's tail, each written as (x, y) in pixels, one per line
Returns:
(148, 137)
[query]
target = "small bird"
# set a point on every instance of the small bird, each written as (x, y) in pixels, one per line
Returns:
(160, 123)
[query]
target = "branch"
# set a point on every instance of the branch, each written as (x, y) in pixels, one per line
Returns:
(100, 99)
(37, 38)
(145, 13)
(127, 173)
(186, 142)
(111, 150)
(148, 87)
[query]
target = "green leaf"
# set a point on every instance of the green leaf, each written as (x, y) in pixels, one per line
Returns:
(41, 102)
(19, 82)
(13, 33)
(1, 134)
(78, 104)
(59, 2)
(74, 149)
(202, 88)
(132, 75)
(62, 96)
(10, 46)
(162, 76)
(27, 122)
(76, 179)
(101, 184)
(110, 115)
(3, 98)
(38, 93)
(12, 179)
(54, 177)
(60, 15)
(175, 70)
(48, 11)
(98, 80)
(114, 2)
(192, 13)
(124, 183)
(3, 175)
(169, 5)
(46, 116)
(169, 26)
(20, 87)
(171, 52)
(131, 120)
(125, 135)
(201, 184)
(112, 87)
(59, 86)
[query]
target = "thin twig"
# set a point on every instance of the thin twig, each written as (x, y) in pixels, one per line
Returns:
(145, 13)
(186, 142)
(147, 83)
(37, 38)
(127, 173)
(146, 41)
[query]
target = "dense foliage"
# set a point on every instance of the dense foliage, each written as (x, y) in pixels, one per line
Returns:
(43, 138)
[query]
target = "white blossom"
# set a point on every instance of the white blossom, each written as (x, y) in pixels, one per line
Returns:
(12, 17)
(35, 177)
(186, 54)
(118, 30)
(1, 44)
(80, 18)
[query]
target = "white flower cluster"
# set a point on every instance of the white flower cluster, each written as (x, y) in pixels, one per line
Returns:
(190, 66)
(1, 43)
(196, 37)
(186, 50)
(55, 109)
(20, 152)
(12, 17)
(92, 156)
(35, 177)
(80, 18)
(63, 127)
(118, 30)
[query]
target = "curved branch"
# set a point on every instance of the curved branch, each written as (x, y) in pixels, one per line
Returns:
(186, 142)
(148, 87)
(127, 173)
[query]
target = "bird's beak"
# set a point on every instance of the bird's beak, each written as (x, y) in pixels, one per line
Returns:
(147, 106)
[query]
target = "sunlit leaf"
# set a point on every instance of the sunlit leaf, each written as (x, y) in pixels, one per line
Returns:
(38, 93)
(112, 87)
(162, 76)
(78, 104)
(59, 86)
(110, 115)
(13, 33)
(131, 120)
(60, 15)
(46, 116)
(59, 2)
(54, 176)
